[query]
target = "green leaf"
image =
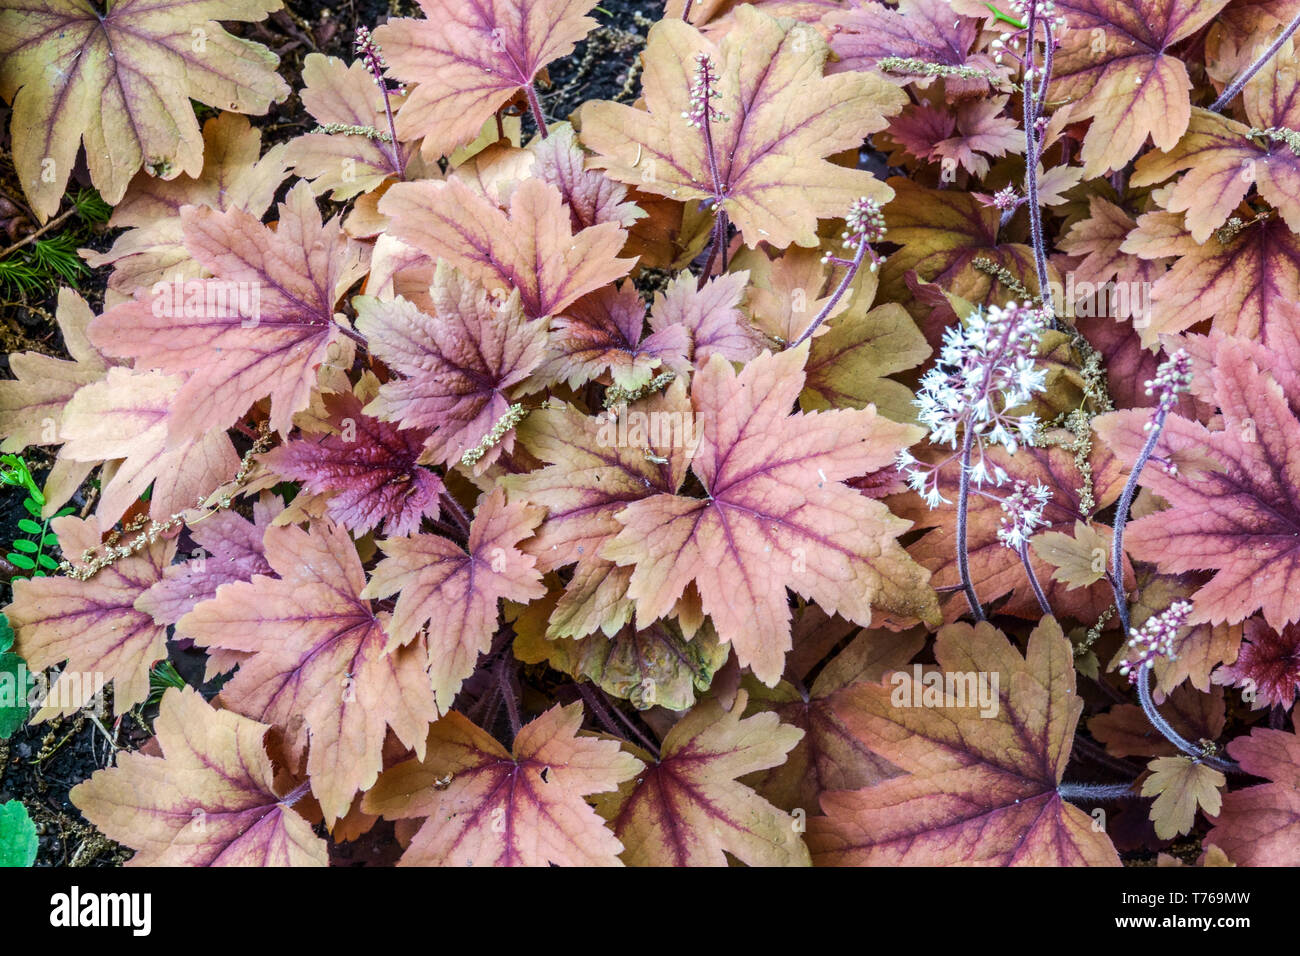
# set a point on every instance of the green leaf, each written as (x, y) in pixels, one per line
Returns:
(33, 507)
(164, 675)
(15, 684)
(47, 562)
(30, 526)
(50, 540)
(6, 634)
(20, 561)
(999, 15)
(18, 843)
(29, 547)
(64, 512)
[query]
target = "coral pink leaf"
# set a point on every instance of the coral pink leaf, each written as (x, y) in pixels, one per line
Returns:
(262, 327)
(317, 665)
(486, 806)
(229, 549)
(469, 60)
(532, 249)
(209, 800)
(93, 624)
(456, 592)
(1235, 513)
(782, 117)
(981, 787)
(778, 515)
(1260, 826)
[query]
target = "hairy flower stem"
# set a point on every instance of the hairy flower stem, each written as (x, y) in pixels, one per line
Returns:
(717, 246)
(1034, 98)
(506, 683)
(963, 496)
(1121, 599)
(1232, 89)
(602, 713)
(535, 105)
(296, 794)
(371, 56)
(1097, 791)
(1023, 551)
(1121, 519)
(1167, 731)
(456, 511)
(843, 287)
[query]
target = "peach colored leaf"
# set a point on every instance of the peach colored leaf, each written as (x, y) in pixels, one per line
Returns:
(1180, 786)
(601, 332)
(597, 466)
(469, 60)
(1245, 278)
(461, 364)
(532, 250)
(31, 407)
(783, 117)
(1115, 63)
(94, 624)
(456, 592)
(125, 416)
(1097, 241)
(1078, 559)
(153, 247)
(366, 467)
(486, 806)
(777, 515)
(979, 789)
(830, 757)
(266, 323)
(344, 163)
(688, 807)
(1221, 158)
(209, 800)
(849, 365)
(942, 234)
(1220, 161)
(120, 80)
(1260, 825)
(317, 666)
(787, 292)
(1237, 517)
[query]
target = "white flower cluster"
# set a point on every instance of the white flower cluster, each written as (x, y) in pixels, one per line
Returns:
(1155, 639)
(1022, 513)
(703, 91)
(986, 368)
(1173, 377)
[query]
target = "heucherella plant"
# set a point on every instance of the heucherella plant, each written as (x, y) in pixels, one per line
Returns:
(856, 433)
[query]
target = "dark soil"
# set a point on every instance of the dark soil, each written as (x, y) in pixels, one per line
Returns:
(41, 763)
